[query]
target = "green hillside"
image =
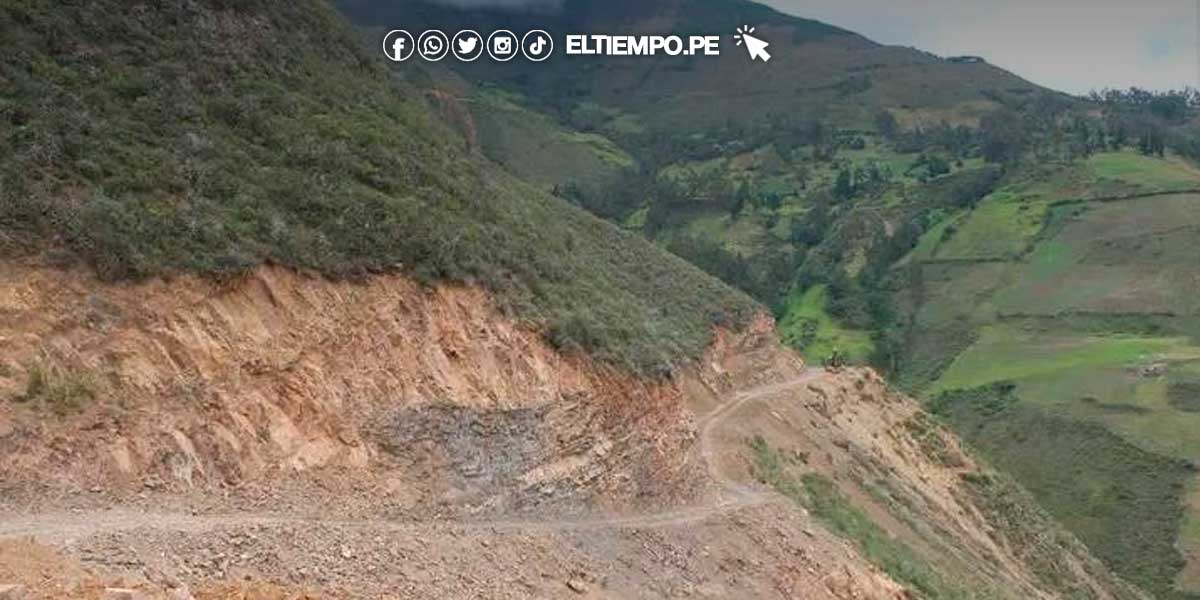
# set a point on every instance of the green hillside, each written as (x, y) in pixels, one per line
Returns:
(215, 136)
(948, 222)
(1060, 336)
(1023, 260)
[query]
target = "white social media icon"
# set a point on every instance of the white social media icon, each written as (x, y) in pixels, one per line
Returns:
(398, 45)
(467, 45)
(537, 45)
(502, 45)
(433, 45)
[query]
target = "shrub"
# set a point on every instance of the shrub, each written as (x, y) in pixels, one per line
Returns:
(61, 392)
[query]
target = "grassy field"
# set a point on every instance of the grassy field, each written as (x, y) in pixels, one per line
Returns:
(1087, 311)
(1006, 224)
(1001, 227)
(1148, 173)
(1007, 353)
(1129, 257)
(1124, 502)
(807, 327)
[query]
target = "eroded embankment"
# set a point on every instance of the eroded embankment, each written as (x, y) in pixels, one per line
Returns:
(190, 385)
(344, 436)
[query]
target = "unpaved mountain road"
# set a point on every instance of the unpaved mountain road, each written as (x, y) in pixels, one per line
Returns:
(70, 527)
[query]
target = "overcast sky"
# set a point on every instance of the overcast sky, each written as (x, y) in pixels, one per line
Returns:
(1069, 45)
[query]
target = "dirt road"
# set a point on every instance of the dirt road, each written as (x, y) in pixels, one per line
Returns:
(58, 527)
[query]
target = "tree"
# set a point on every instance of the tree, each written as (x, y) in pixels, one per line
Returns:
(843, 187)
(740, 197)
(886, 124)
(1151, 142)
(1002, 136)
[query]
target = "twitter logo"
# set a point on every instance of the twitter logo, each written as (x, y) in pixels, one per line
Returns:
(468, 45)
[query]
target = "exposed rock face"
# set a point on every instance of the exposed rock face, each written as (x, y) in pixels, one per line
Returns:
(192, 383)
(344, 436)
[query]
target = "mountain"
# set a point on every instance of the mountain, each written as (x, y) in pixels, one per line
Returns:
(1014, 256)
(817, 70)
(178, 140)
(274, 324)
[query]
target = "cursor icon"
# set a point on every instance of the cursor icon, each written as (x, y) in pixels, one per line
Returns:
(756, 46)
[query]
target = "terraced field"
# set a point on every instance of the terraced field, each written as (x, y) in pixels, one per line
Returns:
(1058, 322)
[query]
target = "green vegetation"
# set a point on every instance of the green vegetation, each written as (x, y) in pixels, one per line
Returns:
(1122, 501)
(217, 136)
(1129, 257)
(1038, 538)
(537, 148)
(62, 393)
(807, 327)
(1002, 226)
(1149, 173)
(1102, 296)
(820, 495)
(1004, 353)
(1184, 395)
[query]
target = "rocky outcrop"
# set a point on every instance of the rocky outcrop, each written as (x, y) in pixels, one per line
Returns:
(258, 426)
(190, 383)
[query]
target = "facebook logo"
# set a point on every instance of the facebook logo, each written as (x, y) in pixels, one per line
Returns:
(398, 45)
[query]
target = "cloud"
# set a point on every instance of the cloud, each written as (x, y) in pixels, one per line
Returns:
(1072, 45)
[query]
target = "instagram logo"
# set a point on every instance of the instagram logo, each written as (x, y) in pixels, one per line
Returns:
(502, 45)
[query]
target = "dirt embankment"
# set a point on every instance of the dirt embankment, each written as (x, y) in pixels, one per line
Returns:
(385, 440)
(187, 385)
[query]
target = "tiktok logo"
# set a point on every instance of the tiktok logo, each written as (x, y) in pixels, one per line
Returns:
(537, 45)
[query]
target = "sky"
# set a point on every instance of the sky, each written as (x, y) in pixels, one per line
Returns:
(1070, 45)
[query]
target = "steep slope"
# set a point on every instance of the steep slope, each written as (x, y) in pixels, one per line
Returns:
(1029, 273)
(268, 327)
(286, 432)
(1055, 327)
(213, 137)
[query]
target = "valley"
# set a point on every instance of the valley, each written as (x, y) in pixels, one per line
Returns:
(992, 236)
(281, 319)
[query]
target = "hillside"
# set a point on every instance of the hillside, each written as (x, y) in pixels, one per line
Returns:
(289, 434)
(1017, 258)
(817, 70)
(215, 138)
(717, 159)
(272, 328)
(1068, 313)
